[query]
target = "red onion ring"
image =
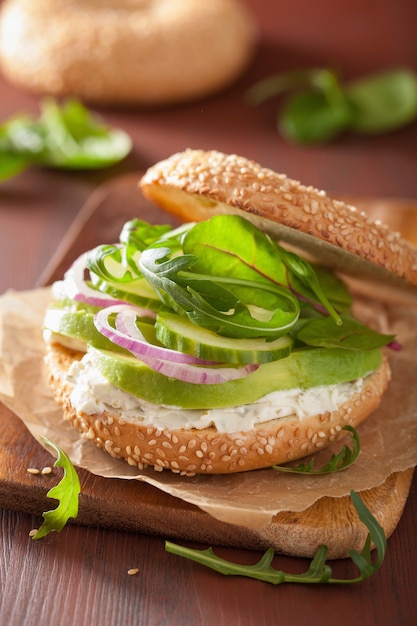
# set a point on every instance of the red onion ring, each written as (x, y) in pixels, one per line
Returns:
(77, 289)
(170, 363)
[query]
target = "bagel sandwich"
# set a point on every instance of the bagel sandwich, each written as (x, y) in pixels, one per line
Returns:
(215, 347)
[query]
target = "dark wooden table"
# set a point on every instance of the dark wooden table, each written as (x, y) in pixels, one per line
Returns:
(80, 575)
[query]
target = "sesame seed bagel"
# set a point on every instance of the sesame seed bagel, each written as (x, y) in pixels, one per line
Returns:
(125, 51)
(208, 451)
(194, 185)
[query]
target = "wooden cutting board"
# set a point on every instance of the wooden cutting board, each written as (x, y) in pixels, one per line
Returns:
(129, 505)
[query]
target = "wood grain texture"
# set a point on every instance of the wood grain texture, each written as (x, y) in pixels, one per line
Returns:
(127, 505)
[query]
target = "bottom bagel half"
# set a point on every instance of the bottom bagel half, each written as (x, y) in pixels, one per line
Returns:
(207, 451)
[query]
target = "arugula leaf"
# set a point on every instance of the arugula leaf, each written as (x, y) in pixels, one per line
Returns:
(317, 572)
(66, 136)
(338, 462)
(351, 335)
(304, 272)
(178, 290)
(376, 536)
(66, 491)
(233, 279)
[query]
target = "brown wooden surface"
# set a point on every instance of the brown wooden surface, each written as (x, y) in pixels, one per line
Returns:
(80, 576)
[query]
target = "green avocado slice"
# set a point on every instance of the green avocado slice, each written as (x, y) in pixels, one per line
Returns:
(303, 368)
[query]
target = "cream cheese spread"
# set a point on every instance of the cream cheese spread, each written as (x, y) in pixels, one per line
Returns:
(93, 393)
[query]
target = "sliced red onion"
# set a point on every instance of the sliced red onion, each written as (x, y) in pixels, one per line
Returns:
(395, 345)
(77, 289)
(170, 363)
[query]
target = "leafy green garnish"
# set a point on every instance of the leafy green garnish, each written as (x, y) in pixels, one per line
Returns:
(318, 571)
(66, 491)
(227, 276)
(234, 280)
(66, 136)
(338, 462)
(320, 106)
(351, 335)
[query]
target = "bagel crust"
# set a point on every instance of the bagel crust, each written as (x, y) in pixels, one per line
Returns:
(194, 185)
(207, 451)
(125, 51)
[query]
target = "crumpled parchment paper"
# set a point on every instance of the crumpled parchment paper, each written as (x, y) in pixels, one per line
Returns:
(388, 437)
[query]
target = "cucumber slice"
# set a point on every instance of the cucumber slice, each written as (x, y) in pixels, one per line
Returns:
(302, 369)
(178, 333)
(138, 292)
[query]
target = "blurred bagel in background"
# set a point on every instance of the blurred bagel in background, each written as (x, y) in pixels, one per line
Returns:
(144, 52)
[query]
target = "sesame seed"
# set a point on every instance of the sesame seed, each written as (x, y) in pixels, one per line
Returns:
(90, 434)
(33, 532)
(46, 470)
(32, 470)
(133, 571)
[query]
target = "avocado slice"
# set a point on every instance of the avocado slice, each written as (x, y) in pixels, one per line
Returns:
(303, 368)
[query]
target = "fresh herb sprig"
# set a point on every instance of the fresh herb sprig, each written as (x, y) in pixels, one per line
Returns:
(66, 491)
(338, 462)
(320, 105)
(227, 276)
(233, 279)
(319, 571)
(67, 136)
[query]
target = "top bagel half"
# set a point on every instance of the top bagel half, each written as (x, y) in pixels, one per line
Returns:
(196, 184)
